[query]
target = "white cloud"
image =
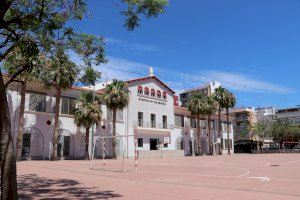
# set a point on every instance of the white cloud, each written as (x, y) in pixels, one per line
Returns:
(124, 45)
(123, 69)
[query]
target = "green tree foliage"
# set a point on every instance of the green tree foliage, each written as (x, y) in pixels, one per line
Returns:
(219, 96)
(197, 107)
(260, 131)
(87, 113)
(116, 97)
(229, 102)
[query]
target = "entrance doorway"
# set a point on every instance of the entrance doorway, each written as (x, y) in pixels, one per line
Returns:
(26, 146)
(153, 143)
(63, 147)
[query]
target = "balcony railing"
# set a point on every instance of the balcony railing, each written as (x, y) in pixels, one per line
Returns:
(155, 125)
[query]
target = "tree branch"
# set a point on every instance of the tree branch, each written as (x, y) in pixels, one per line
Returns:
(16, 74)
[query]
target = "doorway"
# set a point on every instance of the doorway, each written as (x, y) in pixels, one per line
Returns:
(26, 146)
(63, 147)
(153, 143)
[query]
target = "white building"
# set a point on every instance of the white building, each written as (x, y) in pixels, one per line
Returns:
(150, 117)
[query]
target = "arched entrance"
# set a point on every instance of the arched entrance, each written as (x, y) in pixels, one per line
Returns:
(33, 144)
(66, 144)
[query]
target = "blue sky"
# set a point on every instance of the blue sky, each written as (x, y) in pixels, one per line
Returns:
(251, 47)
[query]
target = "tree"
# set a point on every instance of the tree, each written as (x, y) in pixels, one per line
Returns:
(14, 61)
(211, 106)
(116, 97)
(219, 96)
(28, 25)
(87, 113)
(260, 131)
(197, 107)
(230, 102)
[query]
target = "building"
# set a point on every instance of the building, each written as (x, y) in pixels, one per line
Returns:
(243, 117)
(150, 117)
(206, 89)
(265, 113)
(291, 114)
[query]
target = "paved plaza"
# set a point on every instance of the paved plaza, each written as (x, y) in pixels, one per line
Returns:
(240, 176)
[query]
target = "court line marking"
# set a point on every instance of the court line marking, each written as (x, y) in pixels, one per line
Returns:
(181, 184)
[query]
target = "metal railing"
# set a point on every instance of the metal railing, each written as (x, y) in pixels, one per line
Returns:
(155, 125)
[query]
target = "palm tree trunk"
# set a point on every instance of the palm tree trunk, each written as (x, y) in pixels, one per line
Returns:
(219, 130)
(21, 122)
(228, 139)
(114, 132)
(209, 136)
(198, 136)
(56, 123)
(7, 155)
(87, 140)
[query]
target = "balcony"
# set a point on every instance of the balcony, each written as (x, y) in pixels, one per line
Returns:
(153, 125)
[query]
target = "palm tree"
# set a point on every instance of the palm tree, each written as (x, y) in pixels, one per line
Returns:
(197, 107)
(87, 113)
(59, 73)
(219, 96)
(210, 110)
(230, 102)
(116, 97)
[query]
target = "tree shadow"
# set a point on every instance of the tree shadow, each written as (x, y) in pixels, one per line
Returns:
(31, 186)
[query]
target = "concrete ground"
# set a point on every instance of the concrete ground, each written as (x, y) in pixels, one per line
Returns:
(243, 176)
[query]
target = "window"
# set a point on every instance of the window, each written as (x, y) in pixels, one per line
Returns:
(192, 122)
(165, 122)
(203, 124)
(146, 91)
(67, 106)
(179, 120)
(152, 92)
(153, 121)
(164, 95)
(140, 90)
(140, 119)
(166, 144)
(37, 102)
(140, 142)
(158, 94)
(119, 115)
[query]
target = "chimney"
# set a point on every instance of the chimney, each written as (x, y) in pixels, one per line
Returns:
(151, 71)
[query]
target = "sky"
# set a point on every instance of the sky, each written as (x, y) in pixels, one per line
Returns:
(251, 47)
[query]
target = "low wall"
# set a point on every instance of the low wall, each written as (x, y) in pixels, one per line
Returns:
(159, 154)
(276, 151)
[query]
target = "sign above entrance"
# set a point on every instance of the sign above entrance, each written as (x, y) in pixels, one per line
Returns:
(152, 101)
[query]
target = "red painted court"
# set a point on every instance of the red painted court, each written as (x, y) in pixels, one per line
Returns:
(243, 176)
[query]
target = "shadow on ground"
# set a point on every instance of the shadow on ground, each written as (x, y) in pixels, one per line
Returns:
(33, 187)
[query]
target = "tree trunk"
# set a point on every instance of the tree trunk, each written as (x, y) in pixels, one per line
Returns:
(87, 140)
(114, 133)
(219, 130)
(21, 122)
(198, 136)
(56, 123)
(228, 139)
(7, 154)
(209, 136)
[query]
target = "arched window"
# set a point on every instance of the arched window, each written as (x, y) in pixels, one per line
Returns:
(152, 92)
(140, 90)
(164, 95)
(158, 94)
(146, 91)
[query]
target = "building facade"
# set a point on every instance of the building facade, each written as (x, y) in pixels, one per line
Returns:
(150, 117)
